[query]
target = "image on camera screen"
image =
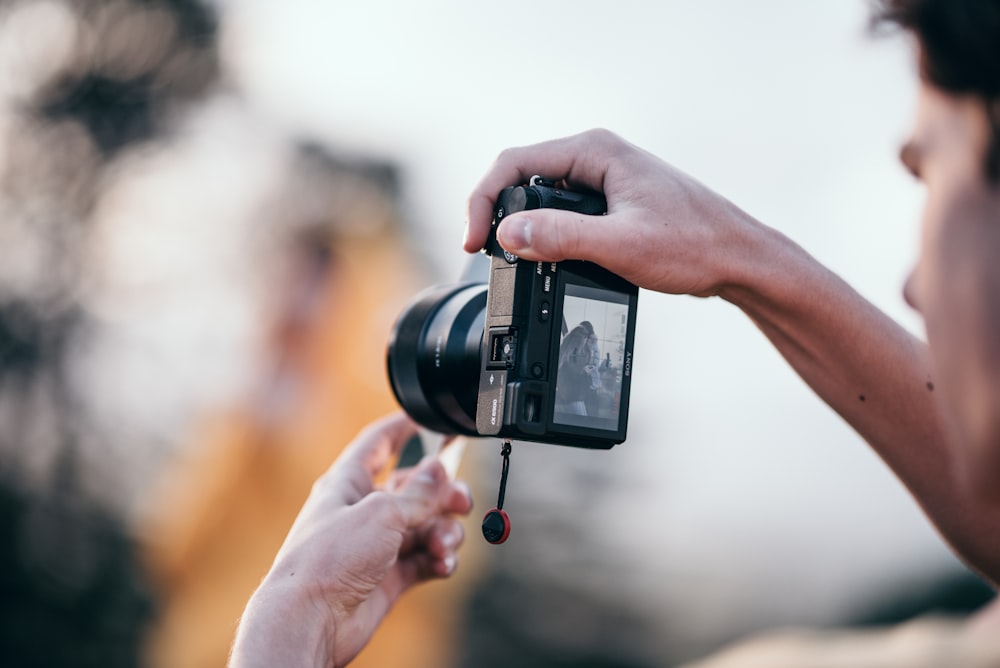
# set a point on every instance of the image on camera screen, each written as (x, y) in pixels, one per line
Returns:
(591, 358)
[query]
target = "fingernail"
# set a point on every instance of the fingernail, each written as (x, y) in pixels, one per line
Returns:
(464, 490)
(449, 540)
(515, 234)
(465, 234)
(449, 564)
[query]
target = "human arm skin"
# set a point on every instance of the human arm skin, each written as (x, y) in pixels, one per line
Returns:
(878, 377)
(665, 231)
(354, 548)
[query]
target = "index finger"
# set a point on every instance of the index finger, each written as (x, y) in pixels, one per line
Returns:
(569, 158)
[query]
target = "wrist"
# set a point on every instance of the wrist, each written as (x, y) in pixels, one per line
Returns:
(767, 266)
(282, 627)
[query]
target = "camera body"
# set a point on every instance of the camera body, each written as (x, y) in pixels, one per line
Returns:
(556, 359)
(541, 352)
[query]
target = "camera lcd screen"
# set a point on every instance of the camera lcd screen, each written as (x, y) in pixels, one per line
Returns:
(591, 358)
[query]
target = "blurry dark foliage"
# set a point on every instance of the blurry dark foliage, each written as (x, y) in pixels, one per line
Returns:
(116, 113)
(119, 110)
(72, 592)
(29, 341)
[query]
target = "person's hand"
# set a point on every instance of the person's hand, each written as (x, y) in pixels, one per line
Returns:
(663, 231)
(353, 549)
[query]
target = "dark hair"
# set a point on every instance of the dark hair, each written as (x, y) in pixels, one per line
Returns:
(959, 52)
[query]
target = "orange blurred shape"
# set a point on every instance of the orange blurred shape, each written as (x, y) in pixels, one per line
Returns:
(221, 514)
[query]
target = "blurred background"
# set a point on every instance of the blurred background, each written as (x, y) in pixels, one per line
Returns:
(212, 213)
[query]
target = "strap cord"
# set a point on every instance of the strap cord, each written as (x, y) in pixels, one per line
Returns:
(505, 453)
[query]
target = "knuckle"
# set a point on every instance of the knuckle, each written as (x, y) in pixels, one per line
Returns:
(320, 485)
(327, 481)
(601, 134)
(507, 156)
(387, 507)
(602, 137)
(608, 145)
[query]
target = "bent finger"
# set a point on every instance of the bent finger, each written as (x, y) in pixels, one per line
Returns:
(439, 538)
(415, 568)
(577, 159)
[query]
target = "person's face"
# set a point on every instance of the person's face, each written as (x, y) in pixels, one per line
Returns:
(955, 284)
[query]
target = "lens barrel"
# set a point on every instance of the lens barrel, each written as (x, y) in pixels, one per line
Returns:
(433, 357)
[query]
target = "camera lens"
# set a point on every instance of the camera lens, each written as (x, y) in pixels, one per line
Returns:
(433, 357)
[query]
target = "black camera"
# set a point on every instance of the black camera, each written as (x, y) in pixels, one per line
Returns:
(542, 352)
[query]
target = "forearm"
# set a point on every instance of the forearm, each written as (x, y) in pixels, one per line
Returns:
(873, 373)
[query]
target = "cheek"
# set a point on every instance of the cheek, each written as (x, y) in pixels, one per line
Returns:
(957, 287)
(927, 269)
(911, 289)
(942, 284)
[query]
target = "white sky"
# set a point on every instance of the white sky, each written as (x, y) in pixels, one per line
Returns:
(786, 107)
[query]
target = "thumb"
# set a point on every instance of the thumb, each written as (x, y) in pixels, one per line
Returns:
(552, 235)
